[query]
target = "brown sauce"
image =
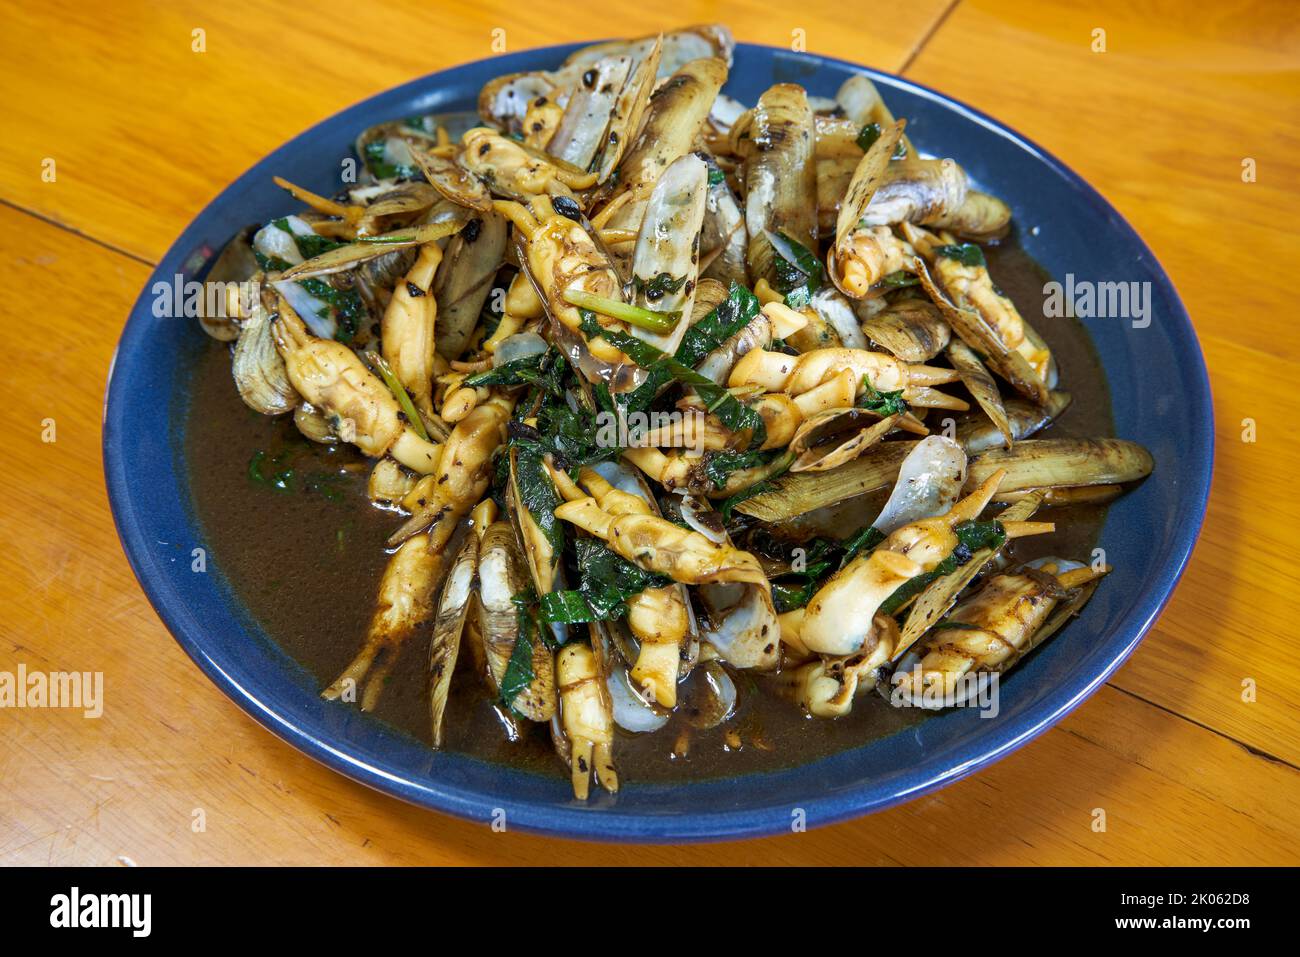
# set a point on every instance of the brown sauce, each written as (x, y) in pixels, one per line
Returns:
(306, 563)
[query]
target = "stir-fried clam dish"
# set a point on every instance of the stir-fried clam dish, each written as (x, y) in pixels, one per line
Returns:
(610, 350)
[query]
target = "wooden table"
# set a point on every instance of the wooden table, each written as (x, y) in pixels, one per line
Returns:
(143, 131)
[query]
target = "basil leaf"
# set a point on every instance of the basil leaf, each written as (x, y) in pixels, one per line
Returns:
(720, 465)
(881, 403)
(899, 279)
(868, 135)
(734, 414)
(791, 597)
(864, 541)
(566, 607)
(378, 164)
(968, 254)
(544, 369)
(519, 670)
(734, 313)
(537, 493)
(798, 297)
(310, 245)
(729, 317)
(658, 287)
(608, 581)
(345, 304)
(971, 537)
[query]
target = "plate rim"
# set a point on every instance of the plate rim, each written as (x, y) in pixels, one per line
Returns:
(589, 823)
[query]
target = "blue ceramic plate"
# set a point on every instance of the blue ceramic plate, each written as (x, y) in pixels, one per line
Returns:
(1161, 398)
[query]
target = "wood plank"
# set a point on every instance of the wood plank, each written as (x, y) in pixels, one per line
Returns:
(1233, 616)
(1159, 123)
(158, 130)
(125, 787)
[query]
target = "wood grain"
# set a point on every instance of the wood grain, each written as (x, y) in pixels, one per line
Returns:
(144, 132)
(1133, 121)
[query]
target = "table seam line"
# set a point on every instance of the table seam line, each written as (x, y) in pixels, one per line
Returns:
(927, 36)
(1250, 748)
(51, 221)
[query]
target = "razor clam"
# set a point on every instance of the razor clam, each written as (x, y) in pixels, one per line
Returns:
(722, 238)
(453, 181)
(559, 255)
(315, 426)
(473, 258)
(582, 130)
(258, 368)
(630, 710)
(980, 216)
(838, 619)
(515, 170)
(829, 439)
(407, 330)
(585, 718)
(628, 112)
(448, 624)
(378, 278)
(826, 686)
(679, 48)
(942, 593)
(1010, 616)
(780, 177)
(916, 191)
(501, 577)
(404, 205)
(740, 622)
(403, 604)
(659, 619)
(1062, 463)
(756, 334)
(504, 101)
(912, 329)
(797, 375)
(929, 481)
(964, 275)
(793, 495)
(389, 482)
(605, 111)
(977, 435)
(981, 386)
(347, 257)
(539, 549)
(386, 149)
(667, 249)
(837, 312)
(858, 259)
(977, 333)
(863, 104)
(673, 119)
(236, 265)
(708, 696)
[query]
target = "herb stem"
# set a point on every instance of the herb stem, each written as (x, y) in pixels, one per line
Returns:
(399, 393)
(660, 323)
